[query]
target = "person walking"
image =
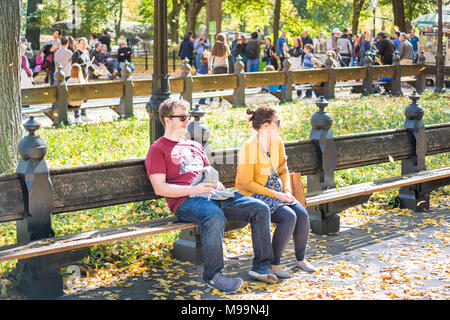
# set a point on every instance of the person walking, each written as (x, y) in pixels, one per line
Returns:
(355, 44)
(345, 47)
(204, 69)
(26, 75)
(309, 61)
(296, 56)
(234, 49)
(202, 43)
(306, 39)
(262, 174)
(296, 53)
(396, 39)
(241, 47)
(82, 58)
(253, 51)
(386, 48)
(282, 42)
(405, 50)
(186, 49)
(218, 61)
(269, 54)
(415, 42)
(366, 46)
(332, 42)
(63, 56)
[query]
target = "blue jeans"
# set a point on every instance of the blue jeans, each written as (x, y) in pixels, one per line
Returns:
(113, 63)
(52, 77)
(253, 65)
(197, 61)
(212, 215)
(130, 65)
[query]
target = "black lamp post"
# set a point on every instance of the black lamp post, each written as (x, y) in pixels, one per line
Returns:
(74, 33)
(374, 4)
(439, 54)
(160, 79)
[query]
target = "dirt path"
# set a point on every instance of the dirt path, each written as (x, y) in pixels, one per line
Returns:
(398, 254)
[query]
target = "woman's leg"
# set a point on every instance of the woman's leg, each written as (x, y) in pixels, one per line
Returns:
(286, 219)
(301, 231)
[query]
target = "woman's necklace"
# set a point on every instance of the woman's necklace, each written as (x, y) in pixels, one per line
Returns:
(260, 145)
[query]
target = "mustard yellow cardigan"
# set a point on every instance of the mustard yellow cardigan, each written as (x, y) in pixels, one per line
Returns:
(254, 167)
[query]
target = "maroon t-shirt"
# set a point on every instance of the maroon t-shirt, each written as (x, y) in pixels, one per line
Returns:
(179, 161)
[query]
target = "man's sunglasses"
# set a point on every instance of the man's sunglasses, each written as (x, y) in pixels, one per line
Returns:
(183, 117)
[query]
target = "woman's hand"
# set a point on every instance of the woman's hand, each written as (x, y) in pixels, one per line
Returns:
(284, 196)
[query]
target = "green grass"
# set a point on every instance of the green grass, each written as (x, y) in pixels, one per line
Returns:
(129, 138)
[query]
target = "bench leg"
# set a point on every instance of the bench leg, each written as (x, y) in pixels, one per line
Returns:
(188, 247)
(39, 279)
(416, 197)
(321, 223)
(324, 218)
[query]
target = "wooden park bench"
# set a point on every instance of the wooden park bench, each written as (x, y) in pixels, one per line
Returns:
(35, 192)
(121, 95)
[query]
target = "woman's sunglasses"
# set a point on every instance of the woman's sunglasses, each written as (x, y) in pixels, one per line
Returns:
(182, 117)
(277, 123)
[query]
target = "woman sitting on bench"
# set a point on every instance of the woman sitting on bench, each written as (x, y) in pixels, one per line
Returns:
(262, 173)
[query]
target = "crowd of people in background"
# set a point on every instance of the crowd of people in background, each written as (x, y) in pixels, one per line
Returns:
(343, 48)
(81, 59)
(93, 55)
(257, 53)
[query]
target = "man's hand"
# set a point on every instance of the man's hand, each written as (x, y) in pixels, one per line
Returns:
(202, 188)
(220, 186)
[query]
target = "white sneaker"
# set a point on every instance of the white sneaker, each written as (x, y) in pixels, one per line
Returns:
(265, 275)
(280, 271)
(305, 266)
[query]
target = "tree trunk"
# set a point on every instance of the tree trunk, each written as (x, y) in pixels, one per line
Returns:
(276, 21)
(33, 31)
(357, 7)
(214, 13)
(10, 102)
(174, 20)
(192, 9)
(399, 14)
(118, 24)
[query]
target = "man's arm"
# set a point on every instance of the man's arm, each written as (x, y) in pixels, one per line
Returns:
(164, 189)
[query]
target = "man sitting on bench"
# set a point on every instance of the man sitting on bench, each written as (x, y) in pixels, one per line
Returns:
(173, 163)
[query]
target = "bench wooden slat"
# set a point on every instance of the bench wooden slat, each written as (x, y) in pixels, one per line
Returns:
(91, 238)
(149, 228)
(355, 190)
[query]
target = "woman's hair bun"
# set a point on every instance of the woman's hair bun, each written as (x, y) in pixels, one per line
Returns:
(250, 111)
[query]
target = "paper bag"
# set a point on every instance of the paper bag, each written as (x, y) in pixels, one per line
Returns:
(297, 187)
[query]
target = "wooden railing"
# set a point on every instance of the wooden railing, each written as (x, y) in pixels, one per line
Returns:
(126, 89)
